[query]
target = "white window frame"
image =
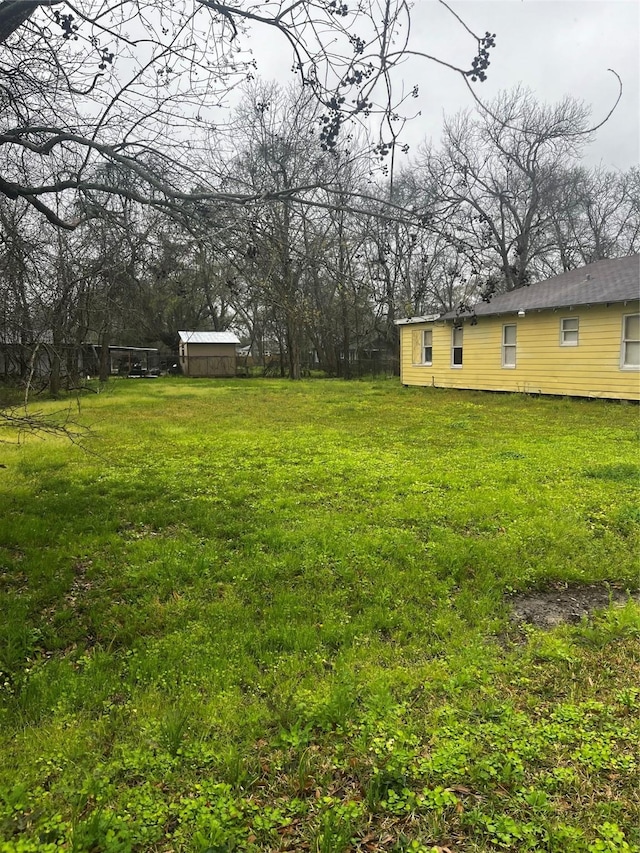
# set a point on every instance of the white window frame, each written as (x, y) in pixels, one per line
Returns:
(507, 347)
(625, 340)
(427, 334)
(564, 332)
(455, 346)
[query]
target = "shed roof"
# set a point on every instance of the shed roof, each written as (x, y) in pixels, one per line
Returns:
(614, 280)
(208, 338)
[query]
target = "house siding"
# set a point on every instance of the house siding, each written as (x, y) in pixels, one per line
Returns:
(591, 369)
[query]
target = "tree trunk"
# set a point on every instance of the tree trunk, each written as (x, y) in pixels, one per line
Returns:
(54, 371)
(346, 334)
(105, 366)
(293, 347)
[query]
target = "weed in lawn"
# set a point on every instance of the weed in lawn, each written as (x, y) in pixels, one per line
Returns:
(173, 729)
(334, 834)
(613, 623)
(306, 771)
(236, 768)
(619, 473)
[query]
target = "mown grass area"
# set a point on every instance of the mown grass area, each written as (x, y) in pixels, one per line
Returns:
(267, 616)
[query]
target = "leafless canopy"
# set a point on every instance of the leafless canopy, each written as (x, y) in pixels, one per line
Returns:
(140, 84)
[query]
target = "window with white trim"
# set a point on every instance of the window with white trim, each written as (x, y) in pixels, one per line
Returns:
(456, 346)
(630, 355)
(569, 327)
(509, 345)
(427, 346)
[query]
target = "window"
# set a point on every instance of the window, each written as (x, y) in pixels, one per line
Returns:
(569, 332)
(421, 346)
(630, 356)
(456, 346)
(427, 346)
(509, 345)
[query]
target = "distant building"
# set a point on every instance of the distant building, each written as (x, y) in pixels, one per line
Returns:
(575, 334)
(33, 353)
(131, 361)
(208, 353)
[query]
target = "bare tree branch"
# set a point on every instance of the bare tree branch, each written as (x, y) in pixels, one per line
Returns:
(77, 81)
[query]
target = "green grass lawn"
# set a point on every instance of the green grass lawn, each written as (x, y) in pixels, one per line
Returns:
(264, 616)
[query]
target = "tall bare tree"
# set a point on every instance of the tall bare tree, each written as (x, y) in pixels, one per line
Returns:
(490, 184)
(594, 214)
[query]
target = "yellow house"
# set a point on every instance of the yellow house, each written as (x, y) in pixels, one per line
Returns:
(575, 334)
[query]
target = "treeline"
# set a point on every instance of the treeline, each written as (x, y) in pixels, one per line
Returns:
(502, 201)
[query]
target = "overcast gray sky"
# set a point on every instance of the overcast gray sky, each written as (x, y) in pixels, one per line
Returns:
(555, 47)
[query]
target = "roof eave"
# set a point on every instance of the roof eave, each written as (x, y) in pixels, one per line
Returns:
(408, 321)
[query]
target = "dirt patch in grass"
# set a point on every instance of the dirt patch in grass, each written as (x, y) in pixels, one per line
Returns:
(566, 604)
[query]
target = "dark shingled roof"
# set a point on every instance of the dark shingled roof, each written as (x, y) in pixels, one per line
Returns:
(616, 280)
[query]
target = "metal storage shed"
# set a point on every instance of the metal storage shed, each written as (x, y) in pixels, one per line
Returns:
(208, 353)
